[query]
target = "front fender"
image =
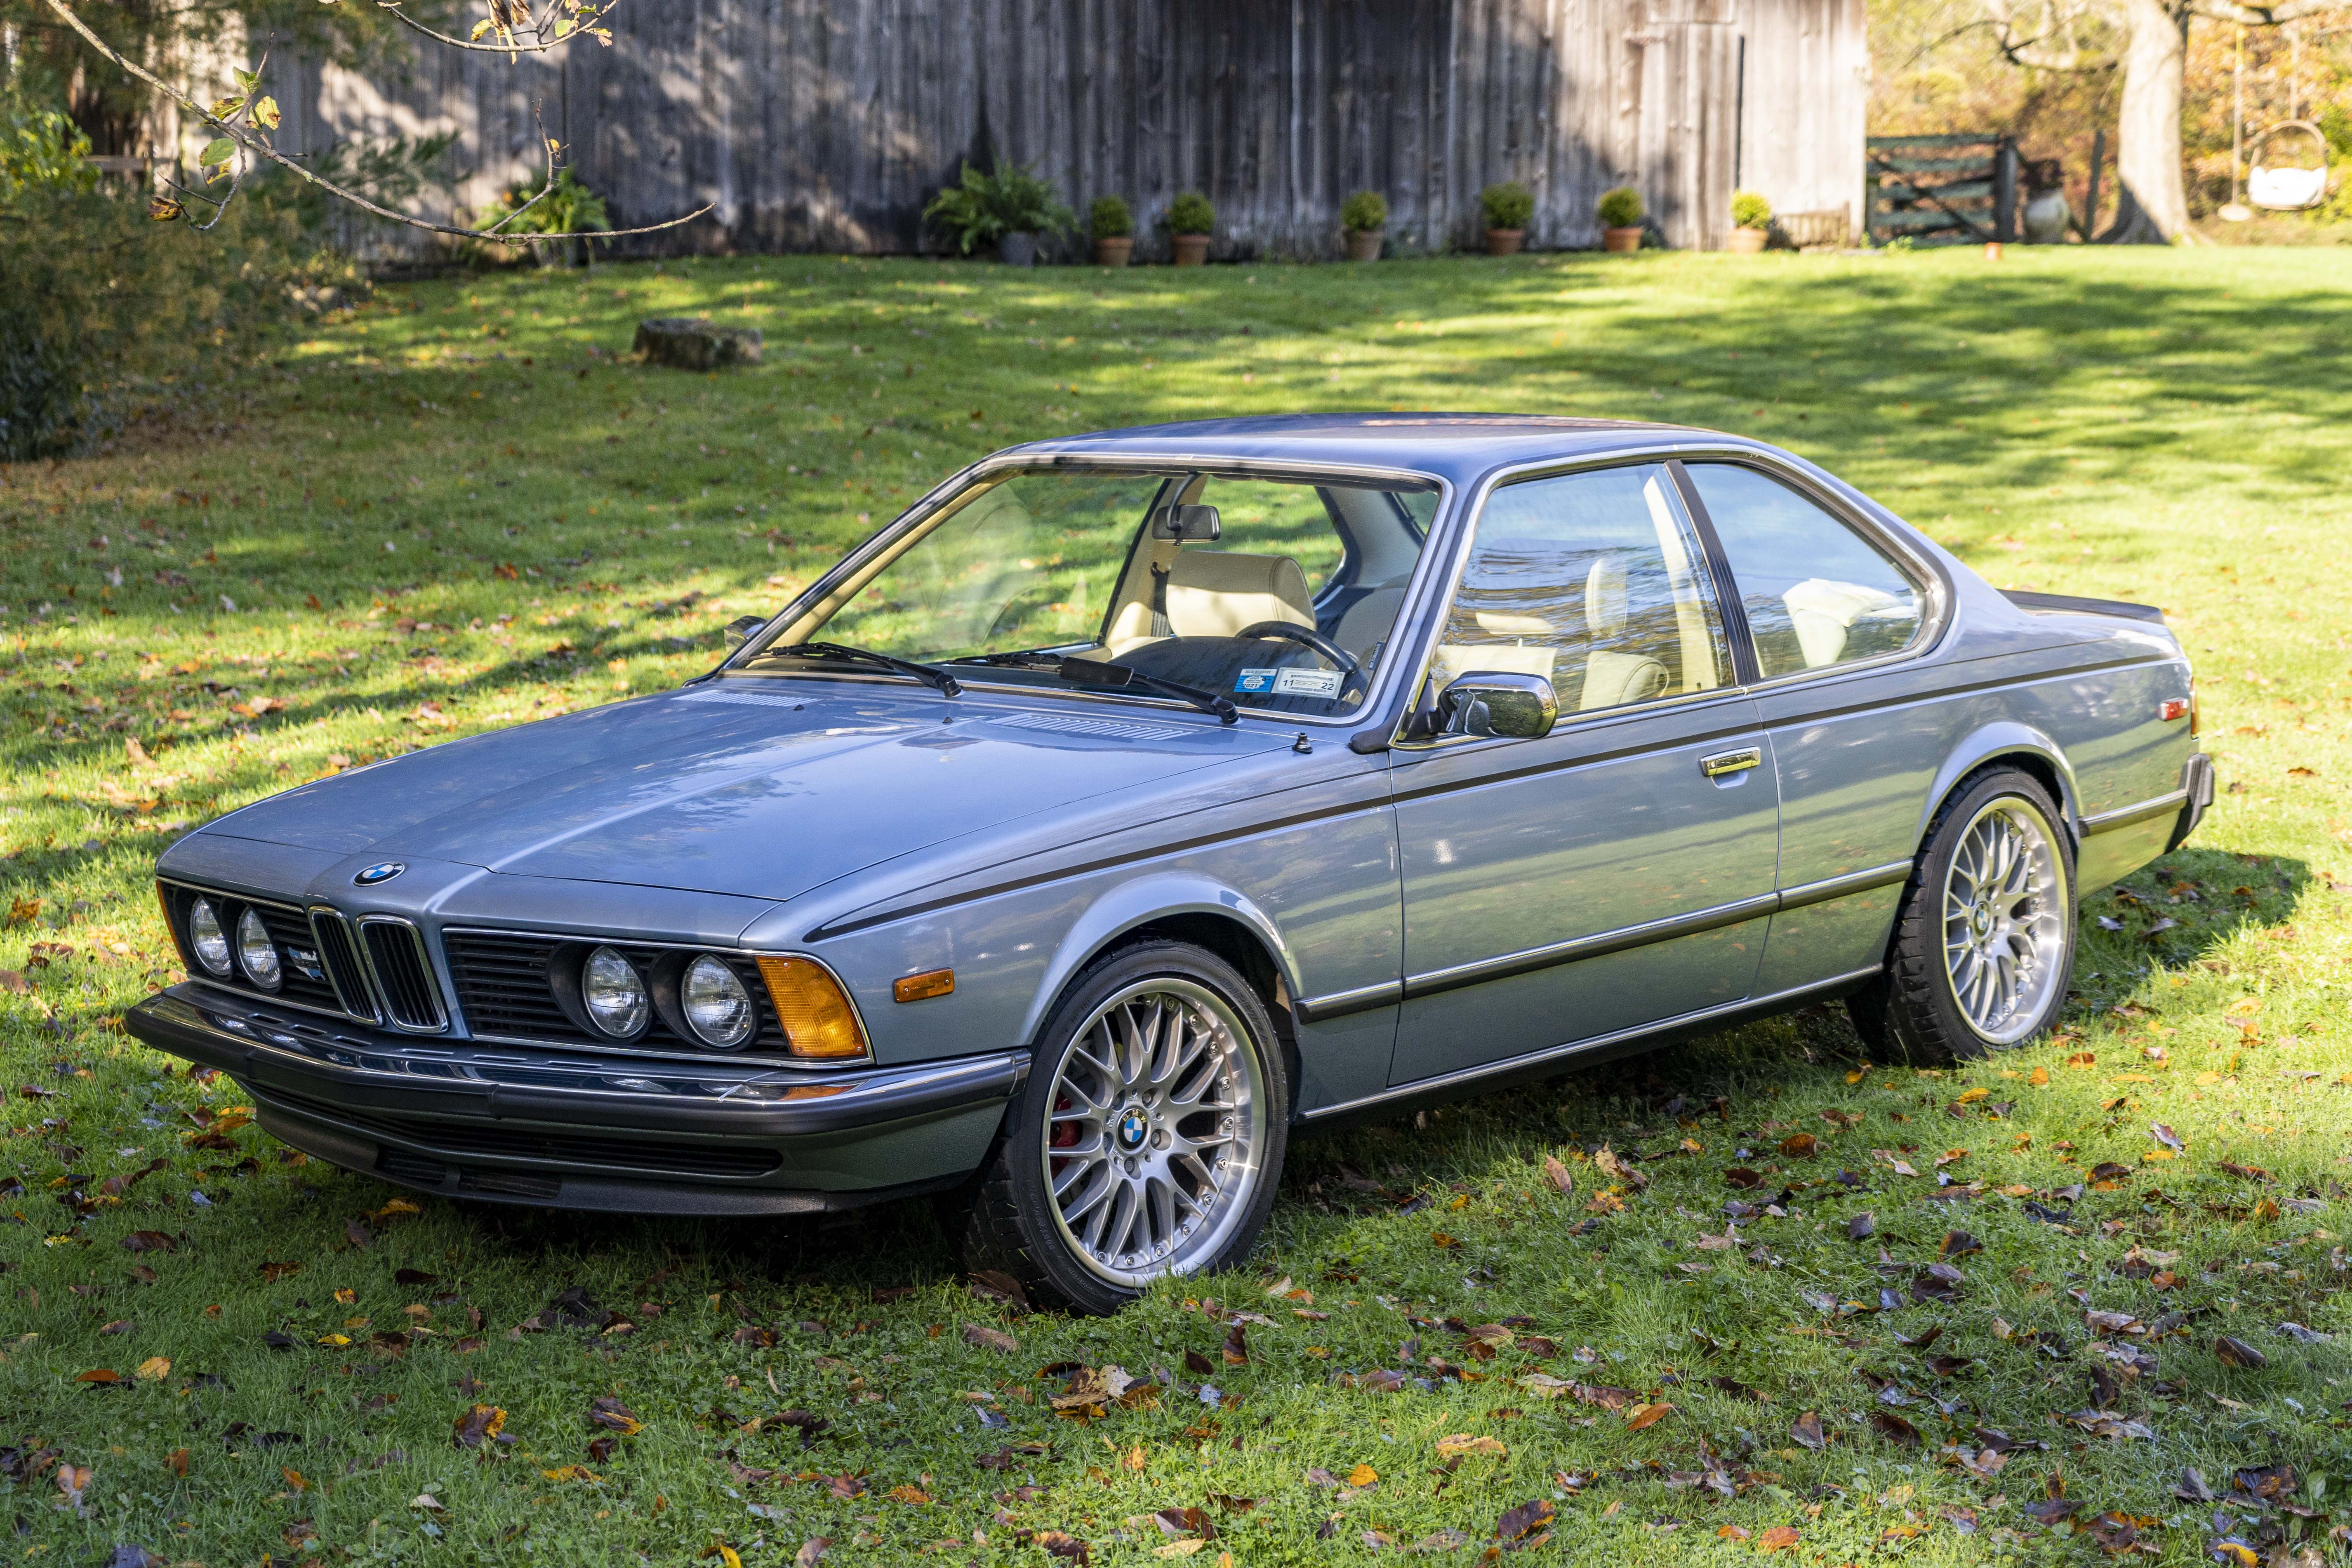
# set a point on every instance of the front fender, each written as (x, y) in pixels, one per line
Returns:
(1136, 903)
(2006, 738)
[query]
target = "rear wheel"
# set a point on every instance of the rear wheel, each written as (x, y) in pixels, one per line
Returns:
(1984, 941)
(1148, 1138)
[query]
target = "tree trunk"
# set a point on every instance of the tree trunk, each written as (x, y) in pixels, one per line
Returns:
(2153, 208)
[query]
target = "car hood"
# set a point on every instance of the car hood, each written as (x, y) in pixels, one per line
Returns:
(760, 788)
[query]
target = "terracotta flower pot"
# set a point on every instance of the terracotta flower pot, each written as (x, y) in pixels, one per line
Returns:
(1505, 241)
(1619, 240)
(1192, 249)
(1364, 244)
(1744, 241)
(1116, 252)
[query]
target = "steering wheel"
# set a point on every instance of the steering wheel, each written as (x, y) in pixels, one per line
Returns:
(1307, 636)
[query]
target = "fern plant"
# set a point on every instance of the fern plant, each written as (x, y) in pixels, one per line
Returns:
(982, 209)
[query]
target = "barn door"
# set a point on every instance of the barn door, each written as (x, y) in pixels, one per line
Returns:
(1679, 114)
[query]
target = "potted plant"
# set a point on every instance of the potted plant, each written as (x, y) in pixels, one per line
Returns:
(1009, 207)
(1112, 228)
(1364, 218)
(1191, 221)
(1751, 221)
(1507, 206)
(1620, 212)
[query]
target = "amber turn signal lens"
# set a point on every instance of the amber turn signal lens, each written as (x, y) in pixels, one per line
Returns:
(2173, 707)
(923, 987)
(818, 1020)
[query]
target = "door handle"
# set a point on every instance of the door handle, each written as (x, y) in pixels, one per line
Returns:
(1724, 762)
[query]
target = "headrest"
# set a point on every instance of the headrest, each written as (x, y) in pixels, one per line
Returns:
(1605, 597)
(1215, 593)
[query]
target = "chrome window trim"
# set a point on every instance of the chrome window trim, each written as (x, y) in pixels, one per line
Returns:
(1927, 573)
(1935, 617)
(637, 1048)
(1466, 536)
(988, 469)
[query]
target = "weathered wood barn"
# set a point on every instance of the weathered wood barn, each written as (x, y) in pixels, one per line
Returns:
(824, 125)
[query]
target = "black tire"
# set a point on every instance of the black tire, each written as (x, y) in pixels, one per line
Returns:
(1012, 1221)
(1914, 1010)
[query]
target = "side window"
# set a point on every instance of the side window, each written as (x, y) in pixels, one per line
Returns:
(1815, 592)
(1593, 581)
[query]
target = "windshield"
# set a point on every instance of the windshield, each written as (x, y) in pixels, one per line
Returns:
(1279, 595)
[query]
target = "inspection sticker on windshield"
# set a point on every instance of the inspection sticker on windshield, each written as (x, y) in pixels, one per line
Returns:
(1259, 681)
(1307, 683)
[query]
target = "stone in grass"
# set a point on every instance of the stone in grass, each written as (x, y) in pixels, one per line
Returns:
(691, 343)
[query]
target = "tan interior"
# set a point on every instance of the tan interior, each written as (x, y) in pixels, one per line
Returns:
(1212, 593)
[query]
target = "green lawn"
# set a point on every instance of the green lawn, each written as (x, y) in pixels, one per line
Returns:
(457, 510)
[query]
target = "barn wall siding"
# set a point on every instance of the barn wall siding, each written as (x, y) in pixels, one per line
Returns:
(824, 125)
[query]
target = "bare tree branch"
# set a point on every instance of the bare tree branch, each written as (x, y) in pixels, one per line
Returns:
(2264, 15)
(237, 128)
(554, 30)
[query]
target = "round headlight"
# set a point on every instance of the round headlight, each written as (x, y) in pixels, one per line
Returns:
(717, 1006)
(204, 934)
(257, 952)
(614, 992)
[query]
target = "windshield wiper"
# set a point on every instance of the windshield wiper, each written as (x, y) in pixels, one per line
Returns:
(1096, 672)
(1021, 656)
(940, 679)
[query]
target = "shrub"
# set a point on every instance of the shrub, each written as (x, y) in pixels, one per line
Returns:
(40, 149)
(1192, 213)
(981, 209)
(1750, 210)
(1110, 220)
(1508, 205)
(1620, 208)
(1364, 212)
(570, 208)
(99, 295)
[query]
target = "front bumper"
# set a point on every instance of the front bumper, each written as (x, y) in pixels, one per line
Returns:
(576, 1129)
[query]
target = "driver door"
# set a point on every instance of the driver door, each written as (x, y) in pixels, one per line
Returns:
(1619, 871)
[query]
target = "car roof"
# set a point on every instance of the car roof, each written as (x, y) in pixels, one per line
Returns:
(1457, 447)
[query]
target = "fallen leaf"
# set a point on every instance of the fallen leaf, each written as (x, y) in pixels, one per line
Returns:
(1558, 1175)
(1643, 1415)
(154, 1369)
(1779, 1538)
(1363, 1476)
(609, 1413)
(480, 1425)
(1463, 1444)
(2238, 1353)
(99, 1374)
(987, 1339)
(1527, 1518)
(1862, 1226)
(1807, 1431)
(1893, 1428)
(1801, 1146)
(2167, 1137)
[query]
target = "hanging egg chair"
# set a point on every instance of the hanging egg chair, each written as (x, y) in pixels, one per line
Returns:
(2282, 187)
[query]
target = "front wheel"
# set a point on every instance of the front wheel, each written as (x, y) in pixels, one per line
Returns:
(1148, 1138)
(1984, 941)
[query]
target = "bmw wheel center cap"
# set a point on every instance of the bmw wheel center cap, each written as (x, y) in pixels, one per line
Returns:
(382, 871)
(1133, 1128)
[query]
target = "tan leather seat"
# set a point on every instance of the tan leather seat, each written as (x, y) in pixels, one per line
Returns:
(1216, 592)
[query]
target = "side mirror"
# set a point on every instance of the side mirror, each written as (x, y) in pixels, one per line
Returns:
(742, 629)
(1498, 702)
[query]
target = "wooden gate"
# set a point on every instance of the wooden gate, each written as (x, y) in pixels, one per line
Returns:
(1942, 190)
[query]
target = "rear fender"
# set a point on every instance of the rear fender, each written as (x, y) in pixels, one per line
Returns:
(2006, 738)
